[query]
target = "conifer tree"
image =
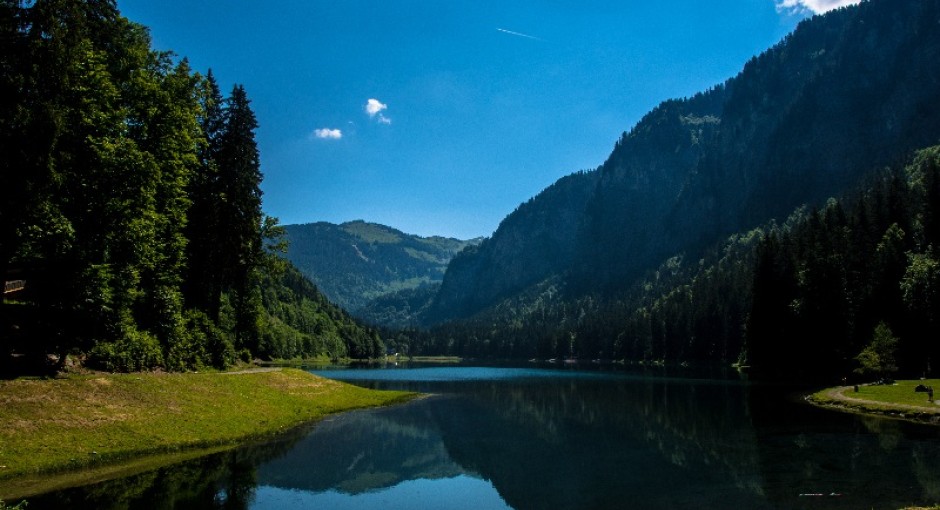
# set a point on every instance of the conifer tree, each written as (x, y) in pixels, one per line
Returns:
(204, 278)
(240, 217)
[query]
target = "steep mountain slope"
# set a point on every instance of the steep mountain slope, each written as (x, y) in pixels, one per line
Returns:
(847, 93)
(357, 261)
(532, 242)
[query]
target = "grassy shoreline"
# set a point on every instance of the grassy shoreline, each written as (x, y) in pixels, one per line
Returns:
(898, 400)
(51, 426)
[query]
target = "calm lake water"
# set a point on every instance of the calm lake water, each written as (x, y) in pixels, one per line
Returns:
(498, 438)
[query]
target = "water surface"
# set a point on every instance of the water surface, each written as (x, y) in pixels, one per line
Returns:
(532, 438)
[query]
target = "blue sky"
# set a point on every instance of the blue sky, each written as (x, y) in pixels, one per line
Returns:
(439, 117)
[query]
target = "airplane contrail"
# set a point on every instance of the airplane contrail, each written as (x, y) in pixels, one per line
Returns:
(510, 32)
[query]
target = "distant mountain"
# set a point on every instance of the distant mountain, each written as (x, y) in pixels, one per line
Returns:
(356, 262)
(849, 92)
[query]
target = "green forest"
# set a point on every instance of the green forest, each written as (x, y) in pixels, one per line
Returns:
(132, 234)
(801, 297)
(131, 228)
(357, 264)
(778, 220)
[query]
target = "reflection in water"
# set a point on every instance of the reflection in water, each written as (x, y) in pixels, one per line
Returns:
(364, 451)
(590, 443)
(560, 440)
(458, 493)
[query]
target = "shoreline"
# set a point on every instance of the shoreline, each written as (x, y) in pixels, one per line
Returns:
(79, 429)
(882, 406)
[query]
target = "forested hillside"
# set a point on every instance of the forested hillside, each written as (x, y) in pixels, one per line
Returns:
(845, 94)
(357, 262)
(131, 215)
(531, 243)
(303, 323)
(647, 269)
(804, 296)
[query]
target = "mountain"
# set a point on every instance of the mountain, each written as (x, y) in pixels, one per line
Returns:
(356, 262)
(534, 241)
(846, 93)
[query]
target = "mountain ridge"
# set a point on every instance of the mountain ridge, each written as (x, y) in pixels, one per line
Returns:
(788, 129)
(355, 262)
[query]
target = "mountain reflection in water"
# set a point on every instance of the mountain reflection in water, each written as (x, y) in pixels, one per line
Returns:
(526, 439)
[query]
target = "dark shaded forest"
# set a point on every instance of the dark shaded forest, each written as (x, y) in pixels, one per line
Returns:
(802, 297)
(131, 229)
(699, 238)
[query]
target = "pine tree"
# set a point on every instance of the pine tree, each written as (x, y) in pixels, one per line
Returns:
(240, 217)
(204, 276)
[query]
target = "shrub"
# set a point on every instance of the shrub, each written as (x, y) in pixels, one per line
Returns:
(202, 344)
(137, 351)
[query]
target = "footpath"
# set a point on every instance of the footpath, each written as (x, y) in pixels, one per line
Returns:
(839, 398)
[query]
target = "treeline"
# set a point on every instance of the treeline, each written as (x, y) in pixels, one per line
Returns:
(822, 287)
(301, 323)
(132, 205)
(802, 297)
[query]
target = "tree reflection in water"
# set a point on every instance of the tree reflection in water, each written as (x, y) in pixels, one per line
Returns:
(564, 441)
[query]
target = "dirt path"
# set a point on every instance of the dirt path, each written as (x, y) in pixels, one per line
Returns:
(259, 370)
(837, 395)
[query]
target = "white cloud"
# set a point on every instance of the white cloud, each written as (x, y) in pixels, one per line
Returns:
(384, 120)
(816, 6)
(328, 134)
(374, 106)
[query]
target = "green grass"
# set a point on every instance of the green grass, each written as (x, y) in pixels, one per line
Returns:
(52, 425)
(371, 233)
(900, 393)
(886, 398)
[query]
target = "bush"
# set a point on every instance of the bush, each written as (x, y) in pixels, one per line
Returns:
(137, 351)
(202, 344)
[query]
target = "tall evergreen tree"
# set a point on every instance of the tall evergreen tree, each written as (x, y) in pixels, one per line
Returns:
(240, 217)
(204, 275)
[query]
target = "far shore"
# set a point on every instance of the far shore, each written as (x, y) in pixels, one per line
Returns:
(321, 361)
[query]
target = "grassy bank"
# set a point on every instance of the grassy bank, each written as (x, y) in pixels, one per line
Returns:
(897, 400)
(53, 425)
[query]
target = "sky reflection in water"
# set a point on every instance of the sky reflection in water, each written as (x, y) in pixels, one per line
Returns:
(458, 493)
(532, 439)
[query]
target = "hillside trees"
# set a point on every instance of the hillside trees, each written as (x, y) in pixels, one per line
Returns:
(225, 229)
(845, 94)
(132, 202)
(103, 178)
(203, 287)
(803, 298)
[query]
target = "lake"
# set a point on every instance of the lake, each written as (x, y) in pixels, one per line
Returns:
(537, 438)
